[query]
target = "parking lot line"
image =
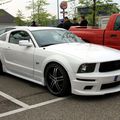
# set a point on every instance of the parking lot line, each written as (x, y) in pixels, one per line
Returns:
(14, 100)
(47, 102)
(32, 106)
(12, 112)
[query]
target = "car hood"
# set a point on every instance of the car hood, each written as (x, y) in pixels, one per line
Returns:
(86, 52)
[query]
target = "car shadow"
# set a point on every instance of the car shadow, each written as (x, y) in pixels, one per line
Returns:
(96, 98)
(24, 81)
(71, 96)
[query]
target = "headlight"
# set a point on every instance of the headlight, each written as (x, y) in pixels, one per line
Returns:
(86, 68)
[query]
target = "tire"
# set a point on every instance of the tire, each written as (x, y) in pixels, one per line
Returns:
(1, 68)
(57, 80)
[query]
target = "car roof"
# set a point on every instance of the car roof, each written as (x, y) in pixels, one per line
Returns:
(30, 27)
(33, 28)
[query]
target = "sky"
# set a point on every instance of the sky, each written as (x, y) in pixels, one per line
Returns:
(16, 5)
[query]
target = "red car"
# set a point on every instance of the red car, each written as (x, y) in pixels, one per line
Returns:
(110, 36)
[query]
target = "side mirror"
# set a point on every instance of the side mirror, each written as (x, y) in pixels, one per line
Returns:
(25, 43)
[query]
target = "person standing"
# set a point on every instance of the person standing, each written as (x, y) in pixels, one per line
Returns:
(75, 22)
(67, 24)
(33, 23)
(60, 25)
(83, 21)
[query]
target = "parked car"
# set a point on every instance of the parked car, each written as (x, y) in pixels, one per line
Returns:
(60, 60)
(110, 36)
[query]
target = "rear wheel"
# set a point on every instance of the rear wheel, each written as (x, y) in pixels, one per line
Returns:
(57, 80)
(1, 68)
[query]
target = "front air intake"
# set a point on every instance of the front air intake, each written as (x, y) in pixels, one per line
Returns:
(109, 66)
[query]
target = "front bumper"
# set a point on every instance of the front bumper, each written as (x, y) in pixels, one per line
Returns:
(96, 83)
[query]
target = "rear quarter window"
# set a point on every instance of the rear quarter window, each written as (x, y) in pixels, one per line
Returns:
(3, 37)
(2, 31)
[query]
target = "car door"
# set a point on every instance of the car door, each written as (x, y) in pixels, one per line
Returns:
(19, 59)
(112, 37)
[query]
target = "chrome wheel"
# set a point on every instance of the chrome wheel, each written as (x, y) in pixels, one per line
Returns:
(57, 80)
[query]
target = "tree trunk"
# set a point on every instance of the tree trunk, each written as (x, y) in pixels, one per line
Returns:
(94, 12)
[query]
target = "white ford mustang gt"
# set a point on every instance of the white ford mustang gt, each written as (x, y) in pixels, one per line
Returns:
(56, 58)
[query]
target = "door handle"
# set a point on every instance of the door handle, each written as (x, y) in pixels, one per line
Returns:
(113, 35)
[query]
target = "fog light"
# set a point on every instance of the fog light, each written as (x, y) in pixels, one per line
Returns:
(88, 87)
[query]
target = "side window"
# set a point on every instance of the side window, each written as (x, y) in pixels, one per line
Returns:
(2, 31)
(117, 23)
(16, 36)
(3, 37)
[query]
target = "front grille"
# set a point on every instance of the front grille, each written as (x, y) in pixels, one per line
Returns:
(109, 66)
(110, 85)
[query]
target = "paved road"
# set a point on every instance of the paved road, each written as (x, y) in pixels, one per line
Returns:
(23, 100)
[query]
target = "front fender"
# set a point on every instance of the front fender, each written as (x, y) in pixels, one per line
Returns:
(60, 60)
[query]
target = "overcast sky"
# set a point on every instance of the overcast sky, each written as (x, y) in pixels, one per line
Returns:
(13, 6)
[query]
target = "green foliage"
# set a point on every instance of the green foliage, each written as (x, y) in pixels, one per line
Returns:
(42, 18)
(87, 3)
(52, 21)
(19, 19)
(1, 13)
(101, 5)
(40, 15)
(98, 2)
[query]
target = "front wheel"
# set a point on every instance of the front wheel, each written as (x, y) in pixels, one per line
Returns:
(57, 80)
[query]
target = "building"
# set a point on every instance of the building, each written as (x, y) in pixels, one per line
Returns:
(6, 19)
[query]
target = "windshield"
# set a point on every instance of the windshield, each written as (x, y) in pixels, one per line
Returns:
(54, 36)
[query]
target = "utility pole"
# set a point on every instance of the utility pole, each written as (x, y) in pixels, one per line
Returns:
(58, 10)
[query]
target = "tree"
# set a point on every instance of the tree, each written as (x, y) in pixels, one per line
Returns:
(39, 14)
(19, 19)
(96, 6)
(53, 21)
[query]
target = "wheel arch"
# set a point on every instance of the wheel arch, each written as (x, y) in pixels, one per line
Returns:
(59, 60)
(52, 62)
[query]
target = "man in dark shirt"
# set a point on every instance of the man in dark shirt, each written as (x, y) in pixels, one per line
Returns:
(83, 22)
(75, 23)
(67, 24)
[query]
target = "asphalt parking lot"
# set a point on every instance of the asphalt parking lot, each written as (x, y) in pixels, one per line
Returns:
(23, 100)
